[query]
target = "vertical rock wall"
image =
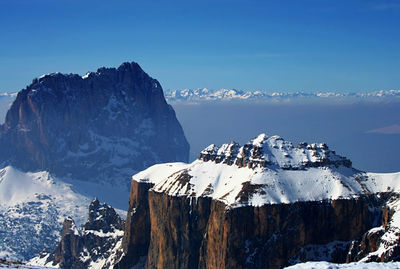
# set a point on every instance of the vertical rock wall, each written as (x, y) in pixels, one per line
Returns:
(186, 232)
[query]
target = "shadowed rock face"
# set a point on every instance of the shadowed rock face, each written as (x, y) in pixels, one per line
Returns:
(136, 238)
(104, 125)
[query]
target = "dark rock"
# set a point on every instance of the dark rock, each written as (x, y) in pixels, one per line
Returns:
(103, 217)
(96, 242)
(386, 237)
(100, 127)
(68, 251)
(137, 230)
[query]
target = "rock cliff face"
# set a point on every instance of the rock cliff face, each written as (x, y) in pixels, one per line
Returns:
(380, 244)
(98, 243)
(204, 233)
(99, 127)
(264, 205)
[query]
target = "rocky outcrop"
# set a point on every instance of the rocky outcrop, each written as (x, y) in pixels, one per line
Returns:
(97, 243)
(136, 238)
(67, 254)
(382, 243)
(103, 126)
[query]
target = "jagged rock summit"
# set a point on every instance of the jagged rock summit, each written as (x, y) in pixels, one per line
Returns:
(96, 245)
(266, 170)
(102, 126)
(274, 151)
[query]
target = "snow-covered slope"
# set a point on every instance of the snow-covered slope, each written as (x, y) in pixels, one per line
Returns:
(19, 265)
(33, 207)
(228, 95)
(267, 170)
(354, 265)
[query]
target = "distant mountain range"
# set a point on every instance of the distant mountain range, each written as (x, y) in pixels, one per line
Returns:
(249, 96)
(233, 95)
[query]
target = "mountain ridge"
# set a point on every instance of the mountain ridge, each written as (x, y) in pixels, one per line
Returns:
(204, 95)
(266, 170)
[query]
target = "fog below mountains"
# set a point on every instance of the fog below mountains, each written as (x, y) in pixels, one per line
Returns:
(346, 128)
(368, 134)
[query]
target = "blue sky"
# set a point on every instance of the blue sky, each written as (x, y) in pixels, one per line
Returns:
(305, 45)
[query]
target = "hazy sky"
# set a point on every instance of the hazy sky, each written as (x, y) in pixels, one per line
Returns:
(245, 44)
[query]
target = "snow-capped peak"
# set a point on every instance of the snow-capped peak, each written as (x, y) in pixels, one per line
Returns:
(266, 170)
(260, 139)
(86, 75)
(264, 151)
(229, 95)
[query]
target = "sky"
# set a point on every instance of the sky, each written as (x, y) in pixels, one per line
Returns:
(299, 45)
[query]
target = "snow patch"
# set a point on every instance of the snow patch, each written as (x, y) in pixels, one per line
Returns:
(354, 265)
(33, 207)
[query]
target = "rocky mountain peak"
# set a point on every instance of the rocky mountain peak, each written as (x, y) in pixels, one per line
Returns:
(102, 217)
(263, 151)
(95, 245)
(101, 127)
(69, 227)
